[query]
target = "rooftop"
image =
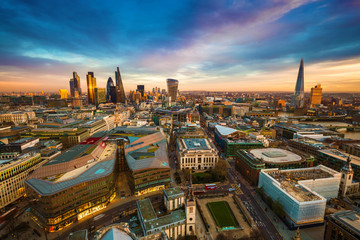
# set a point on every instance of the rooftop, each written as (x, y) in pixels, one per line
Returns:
(290, 180)
(351, 219)
(174, 192)
(275, 155)
(341, 155)
(150, 219)
(146, 209)
(196, 143)
(99, 170)
(148, 151)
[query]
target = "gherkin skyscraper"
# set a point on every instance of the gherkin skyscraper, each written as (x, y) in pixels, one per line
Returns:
(298, 97)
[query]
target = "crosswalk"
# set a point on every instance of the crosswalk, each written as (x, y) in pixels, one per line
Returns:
(237, 189)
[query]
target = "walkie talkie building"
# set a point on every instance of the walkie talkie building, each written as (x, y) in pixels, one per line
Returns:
(172, 86)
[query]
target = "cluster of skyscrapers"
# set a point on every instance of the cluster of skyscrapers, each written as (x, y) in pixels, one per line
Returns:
(112, 93)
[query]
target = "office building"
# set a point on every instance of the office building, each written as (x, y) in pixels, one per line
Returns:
(343, 225)
(100, 95)
(172, 86)
(120, 91)
(301, 192)
(249, 163)
(195, 150)
(231, 140)
(141, 89)
(75, 85)
(297, 99)
(71, 83)
(147, 159)
(13, 173)
(63, 93)
(315, 96)
(91, 85)
(74, 185)
(20, 145)
(109, 84)
(336, 159)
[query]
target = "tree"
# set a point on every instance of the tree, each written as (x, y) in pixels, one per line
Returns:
(219, 171)
(221, 236)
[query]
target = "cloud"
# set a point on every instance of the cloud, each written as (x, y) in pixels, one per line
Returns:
(194, 41)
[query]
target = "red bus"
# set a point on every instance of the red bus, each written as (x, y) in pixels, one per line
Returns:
(210, 186)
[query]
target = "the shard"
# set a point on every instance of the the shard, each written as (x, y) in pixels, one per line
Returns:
(298, 97)
(120, 92)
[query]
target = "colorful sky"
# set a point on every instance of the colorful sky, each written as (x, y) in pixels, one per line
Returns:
(253, 45)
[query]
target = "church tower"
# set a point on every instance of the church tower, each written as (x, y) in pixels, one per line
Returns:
(346, 185)
(190, 210)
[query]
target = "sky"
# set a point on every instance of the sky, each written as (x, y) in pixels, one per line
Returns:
(215, 45)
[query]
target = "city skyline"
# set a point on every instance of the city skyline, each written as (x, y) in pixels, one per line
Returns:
(210, 45)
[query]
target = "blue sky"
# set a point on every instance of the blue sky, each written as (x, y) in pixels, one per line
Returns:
(205, 44)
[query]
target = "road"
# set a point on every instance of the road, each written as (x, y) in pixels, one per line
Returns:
(260, 218)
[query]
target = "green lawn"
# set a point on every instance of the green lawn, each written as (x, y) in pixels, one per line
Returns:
(222, 214)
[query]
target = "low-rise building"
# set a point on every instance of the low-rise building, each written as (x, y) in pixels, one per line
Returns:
(343, 225)
(196, 153)
(336, 159)
(20, 145)
(173, 223)
(231, 140)
(250, 163)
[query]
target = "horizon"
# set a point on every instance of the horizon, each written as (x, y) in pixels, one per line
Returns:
(211, 45)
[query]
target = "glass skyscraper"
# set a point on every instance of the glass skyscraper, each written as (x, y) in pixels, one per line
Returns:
(110, 83)
(91, 85)
(298, 98)
(120, 92)
(172, 86)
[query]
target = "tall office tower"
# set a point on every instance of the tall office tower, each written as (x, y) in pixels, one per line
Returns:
(120, 92)
(297, 99)
(63, 93)
(100, 95)
(113, 94)
(77, 82)
(91, 85)
(76, 101)
(110, 83)
(172, 86)
(72, 89)
(141, 89)
(316, 94)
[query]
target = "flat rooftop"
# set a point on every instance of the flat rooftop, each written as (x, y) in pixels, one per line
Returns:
(289, 180)
(275, 155)
(351, 219)
(196, 143)
(174, 192)
(341, 155)
(146, 209)
(150, 219)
